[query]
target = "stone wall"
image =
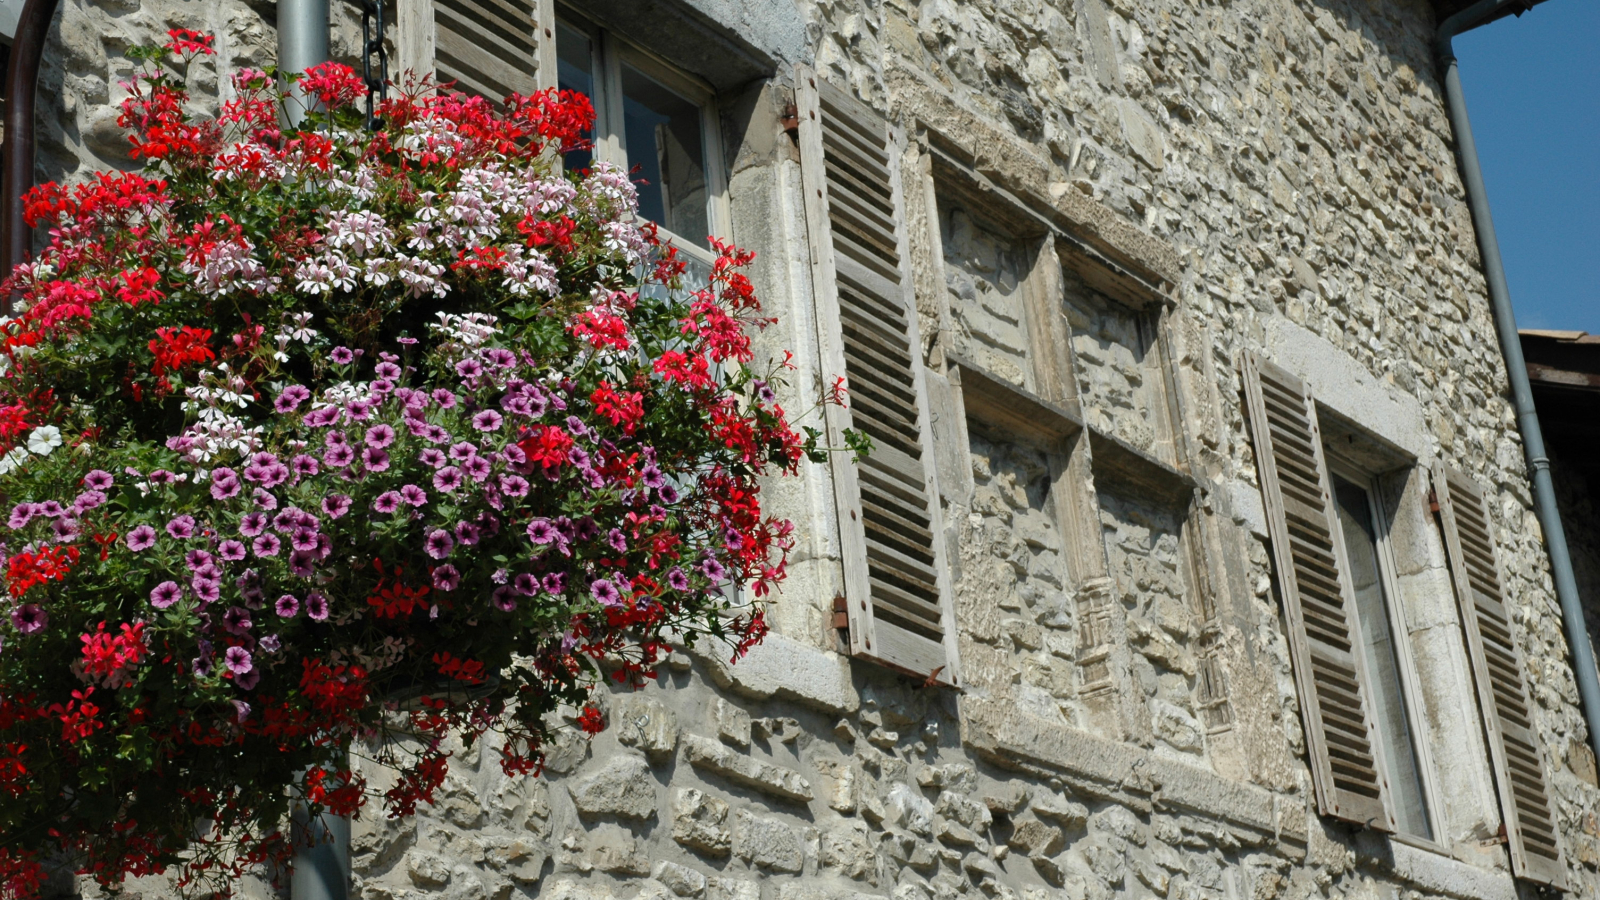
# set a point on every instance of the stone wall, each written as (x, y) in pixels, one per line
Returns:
(1179, 181)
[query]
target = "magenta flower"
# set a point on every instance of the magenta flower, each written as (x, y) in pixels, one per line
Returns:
(89, 499)
(503, 599)
(432, 456)
(379, 436)
(264, 499)
(291, 398)
(487, 420)
(517, 405)
(335, 505)
(469, 368)
(245, 682)
(605, 591)
(478, 467)
(713, 570)
(305, 465)
(199, 559)
(237, 620)
(342, 356)
(99, 479)
(554, 583)
(238, 661)
(652, 477)
(447, 479)
(182, 527)
(317, 606)
(444, 398)
(358, 410)
(438, 543)
(677, 580)
(29, 618)
(266, 545)
(375, 460)
(499, 357)
(141, 538)
(542, 531)
(513, 485)
(165, 594)
(339, 456)
(206, 589)
(252, 523)
(446, 578)
(21, 515)
(288, 606)
(386, 369)
(413, 495)
(231, 550)
(322, 417)
(467, 534)
(525, 584)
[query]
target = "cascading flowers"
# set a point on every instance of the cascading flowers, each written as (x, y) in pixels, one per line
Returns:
(313, 436)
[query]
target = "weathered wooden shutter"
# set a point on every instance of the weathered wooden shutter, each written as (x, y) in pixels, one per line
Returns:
(1329, 667)
(1514, 746)
(896, 586)
(491, 48)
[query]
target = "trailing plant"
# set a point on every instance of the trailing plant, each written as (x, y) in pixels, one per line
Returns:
(315, 437)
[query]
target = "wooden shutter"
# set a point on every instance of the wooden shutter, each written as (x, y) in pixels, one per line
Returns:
(896, 587)
(491, 48)
(1497, 668)
(1329, 666)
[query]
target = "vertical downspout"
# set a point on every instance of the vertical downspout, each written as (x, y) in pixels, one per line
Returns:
(322, 860)
(27, 51)
(1544, 490)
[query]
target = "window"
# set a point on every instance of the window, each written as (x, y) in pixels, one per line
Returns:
(654, 121)
(1371, 572)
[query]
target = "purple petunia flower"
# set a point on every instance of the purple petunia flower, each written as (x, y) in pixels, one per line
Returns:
(387, 502)
(652, 477)
(182, 527)
(503, 599)
(141, 538)
(201, 666)
(165, 594)
(237, 620)
(386, 369)
(335, 505)
(162, 476)
(266, 545)
(264, 499)
(358, 410)
(21, 515)
(463, 450)
(669, 494)
(238, 661)
(317, 606)
(244, 682)
(291, 398)
(713, 570)
(342, 356)
(438, 543)
(469, 368)
(288, 606)
(339, 455)
(467, 534)
(207, 589)
(99, 479)
(487, 420)
(677, 580)
(379, 436)
(302, 563)
(29, 618)
(89, 499)
(231, 550)
(252, 523)
(517, 405)
(447, 479)
(513, 485)
(432, 456)
(374, 459)
(444, 398)
(304, 539)
(65, 529)
(270, 643)
(305, 465)
(413, 495)
(446, 578)
(554, 583)
(478, 467)
(617, 540)
(382, 386)
(541, 531)
(199, 559)
(499, 357)
(322, 417)
(605, 591)
(525, 584)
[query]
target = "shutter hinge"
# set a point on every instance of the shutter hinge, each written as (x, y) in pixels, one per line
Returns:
(791, 122)
(1433, 500)
(841, 615)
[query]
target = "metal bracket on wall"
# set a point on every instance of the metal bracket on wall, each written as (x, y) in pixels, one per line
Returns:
(372, 50)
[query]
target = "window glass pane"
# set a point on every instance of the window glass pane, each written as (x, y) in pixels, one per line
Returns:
(575, 72)
(1383, 665)
(662, 131)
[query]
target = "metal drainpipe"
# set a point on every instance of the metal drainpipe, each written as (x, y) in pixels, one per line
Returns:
(27, 50)
(322, 862)
(1544, 491)
(302, 43)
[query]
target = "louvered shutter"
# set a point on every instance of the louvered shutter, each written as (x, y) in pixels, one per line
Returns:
(1329, 667)
(895, 582)
(1514, 746)
(491, 48)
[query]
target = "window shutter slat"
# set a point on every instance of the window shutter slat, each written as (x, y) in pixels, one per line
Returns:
(1497, 668)
(491, 48)
(896, 588)
(1329, 669)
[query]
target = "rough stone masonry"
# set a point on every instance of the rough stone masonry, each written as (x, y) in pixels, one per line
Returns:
(1145, 190)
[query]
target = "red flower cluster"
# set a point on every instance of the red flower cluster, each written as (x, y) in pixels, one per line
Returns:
(108, 658)
(27, 570)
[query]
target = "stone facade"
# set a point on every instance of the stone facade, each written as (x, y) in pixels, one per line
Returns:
(1174, 183)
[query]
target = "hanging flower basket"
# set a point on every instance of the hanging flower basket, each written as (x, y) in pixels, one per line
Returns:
(295, 422)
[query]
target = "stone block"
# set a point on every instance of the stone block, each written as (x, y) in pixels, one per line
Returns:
(733, 723)
(848, 848)
(1035, 838)
(904, 807)
(785, 668)
(624, 788)
(612, 848)
(427, 870)
(645, 723)
(769, 843)
(681, 880)
(699, 822)
(778, 781)
(718, 888)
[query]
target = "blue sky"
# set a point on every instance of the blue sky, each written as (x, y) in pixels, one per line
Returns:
(1533, 93)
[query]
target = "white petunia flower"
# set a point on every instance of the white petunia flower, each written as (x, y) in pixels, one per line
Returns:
(44, 439)
(13, 459)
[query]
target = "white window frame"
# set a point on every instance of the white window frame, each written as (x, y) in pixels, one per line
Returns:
(1410, 681)
(610, 139)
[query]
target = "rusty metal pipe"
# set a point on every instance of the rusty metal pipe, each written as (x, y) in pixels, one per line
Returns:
(27, 51)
